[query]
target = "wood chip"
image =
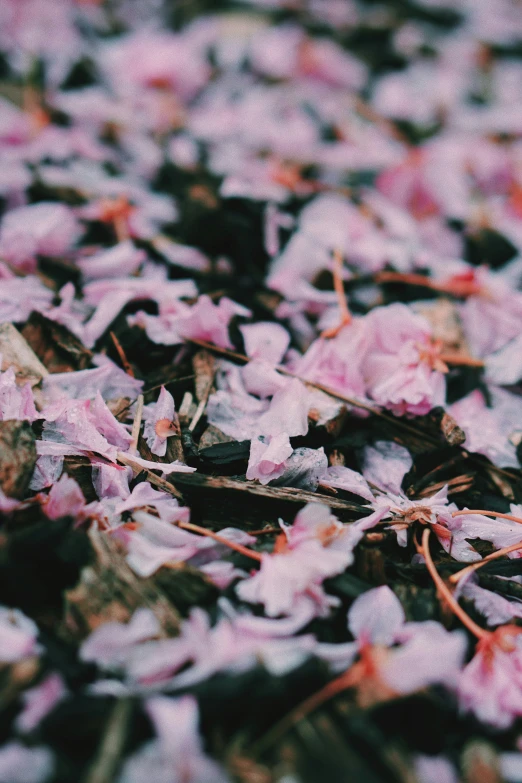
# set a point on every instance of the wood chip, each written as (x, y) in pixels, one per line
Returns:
(110, 591)
(17, 353)
(17, 457)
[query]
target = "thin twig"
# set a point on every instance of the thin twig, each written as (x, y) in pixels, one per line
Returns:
(455, 578)
(486, 513)
(305, 708)
(243, 550)
(105, 765)
(345, 315)
(121, 353)
(446, 593)
(166, 486)
(239, 357)
(136, 426)
(202, 405)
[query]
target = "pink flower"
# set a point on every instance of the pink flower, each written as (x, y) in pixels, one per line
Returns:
(493, 316)
(110, 644)
(499, 532)
(65, 499)
(385, 464)
(176, 754)
(266, 341)
(435, 769)
(337, 362)
(143, 494)
(495, 608)
(40, 701)
(165, 467)
(488, 429)
(207, 321)
(490, 685)
(159, 422)
(71, 422)
(153, 542)
(401, 368)
(340, 477)
(122, 259)
(158, 60)
(107, 379)
(287, 412)
(18, 636)
(268, 457)
(16, 402)
(317, 546)
(46, 229)
(406, 184)
(397, 654)
(19, 296)
(19, 764)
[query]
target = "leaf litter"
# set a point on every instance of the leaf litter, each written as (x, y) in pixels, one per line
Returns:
(260, 391)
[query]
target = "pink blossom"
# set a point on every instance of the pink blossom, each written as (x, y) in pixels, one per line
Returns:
(8, 505)
(488, 430)
(493, 316)
(19, 764)
(413, 665)
(155, 60)
(18, 636)
(435, 769)
(40, 701)
(122, 259)
(337, 362)
(109, 644)
(107, 424)
(495, 608)
(72, 422)
(19, 296)
(107, 379)
(159, 421)
(65, 499)
(109, 296)
(304, 469)
(221, 573)
(16, 402)
(229, 646)
(45, 229)
(165, 467)
(287, 413)
(400, 654)
(385, 464)
(499, 532)
(266, 341)
(207, 321)
(401, 371)
(376, 616)
(154, 542)
(143, 495)
(267, 458)
(340, 477)
(318, 546)
(490, 685)
(261, 378)
(176, 755)
(111, 482)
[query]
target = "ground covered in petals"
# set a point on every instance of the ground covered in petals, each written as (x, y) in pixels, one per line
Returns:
(260, 391)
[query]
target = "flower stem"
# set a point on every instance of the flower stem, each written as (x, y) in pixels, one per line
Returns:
(243, 550)
(346, 317)
(446, 593)
(484, 512)
(305, 708)
(455, 578)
